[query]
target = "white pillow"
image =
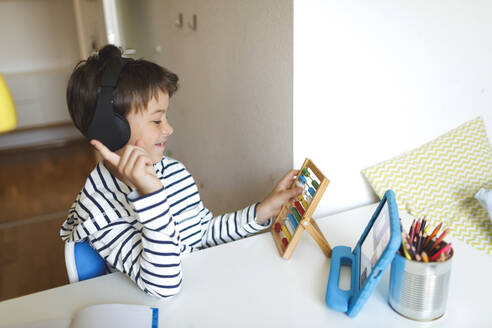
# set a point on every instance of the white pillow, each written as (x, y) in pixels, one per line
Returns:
(484, 196)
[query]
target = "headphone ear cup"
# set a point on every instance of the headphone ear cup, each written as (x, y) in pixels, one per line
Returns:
(123, 128)
(107, 126)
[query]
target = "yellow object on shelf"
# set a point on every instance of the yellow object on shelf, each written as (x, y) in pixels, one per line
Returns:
(8, 117)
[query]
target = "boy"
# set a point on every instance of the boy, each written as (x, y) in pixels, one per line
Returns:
(139, 209)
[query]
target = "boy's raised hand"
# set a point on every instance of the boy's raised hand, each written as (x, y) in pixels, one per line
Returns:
(134, 166)
(271, 205)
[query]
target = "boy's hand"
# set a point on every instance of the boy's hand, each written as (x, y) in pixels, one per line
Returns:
(134, 167)
(271, 205)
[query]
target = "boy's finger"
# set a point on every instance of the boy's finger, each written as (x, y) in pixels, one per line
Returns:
(142, 163)
(291, 174)
(295, 192)
(292, 193)
(135, 154)
(287, 179)
(107, 154)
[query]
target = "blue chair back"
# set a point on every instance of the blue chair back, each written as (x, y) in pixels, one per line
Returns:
(83, 262)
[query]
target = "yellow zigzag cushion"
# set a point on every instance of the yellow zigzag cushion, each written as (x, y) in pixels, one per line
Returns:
(439, 180)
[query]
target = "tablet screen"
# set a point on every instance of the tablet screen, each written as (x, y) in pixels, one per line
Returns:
(374, 244)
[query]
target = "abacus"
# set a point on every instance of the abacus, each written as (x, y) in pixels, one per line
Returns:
(296, 216)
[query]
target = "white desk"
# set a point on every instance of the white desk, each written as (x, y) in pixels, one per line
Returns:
(246, 284)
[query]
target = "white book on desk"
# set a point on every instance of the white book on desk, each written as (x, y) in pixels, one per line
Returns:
(107, 316)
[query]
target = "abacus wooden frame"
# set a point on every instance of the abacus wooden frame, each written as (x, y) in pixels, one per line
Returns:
(307, 222)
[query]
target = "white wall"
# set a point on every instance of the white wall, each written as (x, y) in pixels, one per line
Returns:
(374, 79)
(91, 27)
(39, 48)
(37, 35)
(233, 113)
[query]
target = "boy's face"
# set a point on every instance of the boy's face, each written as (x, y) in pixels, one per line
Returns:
(151, 127)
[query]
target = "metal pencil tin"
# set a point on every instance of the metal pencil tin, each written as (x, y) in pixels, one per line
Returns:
(419, 290)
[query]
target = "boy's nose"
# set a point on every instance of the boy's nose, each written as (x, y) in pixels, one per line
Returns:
(167, 129)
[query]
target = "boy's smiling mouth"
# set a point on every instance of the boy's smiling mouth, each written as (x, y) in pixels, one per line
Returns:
(161, 144)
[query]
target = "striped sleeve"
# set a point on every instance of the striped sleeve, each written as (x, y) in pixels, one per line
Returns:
(151, 261)
(151, 256)
(144, 246)
(208, 230)
(229, 227)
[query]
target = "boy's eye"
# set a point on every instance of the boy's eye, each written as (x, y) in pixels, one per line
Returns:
(158, 122)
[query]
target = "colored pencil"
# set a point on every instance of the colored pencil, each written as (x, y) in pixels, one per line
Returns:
(412, 227)
(433, 234)
(422, 227)
(441, 251)
(417, 227)
(441, 237)
(405, 248)
(436, 249)
(411, 251)
(426, 249)
(424, 237)
(418, 245)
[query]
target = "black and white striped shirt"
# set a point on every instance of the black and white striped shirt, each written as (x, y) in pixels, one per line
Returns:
(144, 237)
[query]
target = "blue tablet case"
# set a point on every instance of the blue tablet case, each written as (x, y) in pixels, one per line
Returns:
(351, 301)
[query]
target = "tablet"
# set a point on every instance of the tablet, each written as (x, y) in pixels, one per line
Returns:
(370, 258)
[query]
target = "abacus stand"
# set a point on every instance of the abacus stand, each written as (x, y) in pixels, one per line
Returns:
(310, 225)
(307, 222)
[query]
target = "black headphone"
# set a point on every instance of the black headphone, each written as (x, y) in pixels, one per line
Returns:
(108, 126)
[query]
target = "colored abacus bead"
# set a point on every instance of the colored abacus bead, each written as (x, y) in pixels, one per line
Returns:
(286, 232)
(292, 220)
(315, 184)
(299, 207)
(303, 202)
(296, 214)
(283, 239)
(289, 226)
(299, 184)
(311, 191)
(313, 179)
(305, 172)
(277, 227)
(303, 179)
(307, 196)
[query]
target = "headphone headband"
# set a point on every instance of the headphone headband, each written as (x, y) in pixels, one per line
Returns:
(112, 73)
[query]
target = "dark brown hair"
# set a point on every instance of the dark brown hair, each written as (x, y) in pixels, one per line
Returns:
(138, 82)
